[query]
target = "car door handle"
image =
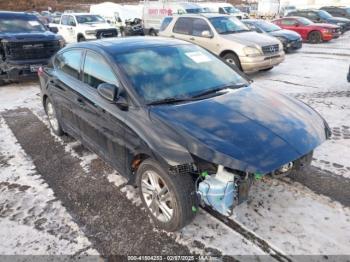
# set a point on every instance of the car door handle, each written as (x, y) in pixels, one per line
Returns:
(81, 101)
(192, 39)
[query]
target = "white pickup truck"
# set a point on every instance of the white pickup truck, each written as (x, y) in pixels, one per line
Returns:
(77, 27)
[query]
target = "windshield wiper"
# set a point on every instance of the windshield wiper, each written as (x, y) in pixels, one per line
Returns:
(215, 90)
(169, 100)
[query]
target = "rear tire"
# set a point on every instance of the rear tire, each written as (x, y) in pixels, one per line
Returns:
(52, 116)
(81, 38)
(168, 199)
(233, 59)
(315, 37)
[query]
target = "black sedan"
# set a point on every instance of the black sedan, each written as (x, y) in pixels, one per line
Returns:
(291, 40)
(177, 121)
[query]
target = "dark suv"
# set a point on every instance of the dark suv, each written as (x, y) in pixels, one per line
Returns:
(25, 45)
(321, 16)
(338, 11)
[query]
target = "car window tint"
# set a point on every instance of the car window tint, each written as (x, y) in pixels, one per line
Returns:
(64, 20)
(69, 62)
(71, 21)
(165, 23)
(288, 22)
(183, 26)
(97, 71)
(199, 26)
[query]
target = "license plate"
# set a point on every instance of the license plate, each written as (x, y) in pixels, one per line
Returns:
(34, 68)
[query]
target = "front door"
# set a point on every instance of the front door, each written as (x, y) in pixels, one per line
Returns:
(101, 122)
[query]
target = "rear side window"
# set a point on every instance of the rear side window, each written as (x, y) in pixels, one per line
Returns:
(165, 23)
(97, 71)
(199, 26)
(183, 26)
(69, 62)
(288, 22)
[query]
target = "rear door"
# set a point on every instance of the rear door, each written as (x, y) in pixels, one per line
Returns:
(183, 29)
(62, 88)
(101, 123)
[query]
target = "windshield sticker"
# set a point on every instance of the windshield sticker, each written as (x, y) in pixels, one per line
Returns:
(34, 23)
(198, 57)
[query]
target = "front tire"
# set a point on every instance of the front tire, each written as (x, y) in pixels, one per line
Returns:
(233, 59)
(168, 199)
(315, 37)
(52, 116)
(152, 32)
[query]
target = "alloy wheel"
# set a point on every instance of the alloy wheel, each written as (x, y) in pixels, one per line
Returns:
(158, 198)
(51, 114)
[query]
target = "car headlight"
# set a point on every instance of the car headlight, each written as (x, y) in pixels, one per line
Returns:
(282, 39)
(90, 32)
(252, 51)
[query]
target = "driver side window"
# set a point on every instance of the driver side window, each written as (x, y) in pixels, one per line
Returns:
(96, 71)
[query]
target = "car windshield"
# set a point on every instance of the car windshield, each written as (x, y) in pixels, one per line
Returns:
(228, 25)
(324, 14)
(175, 72)
(194, 10)
(304, 21)
(231, 10)
(89, 19)
(348, 10)
(21, 25)
(268, 27)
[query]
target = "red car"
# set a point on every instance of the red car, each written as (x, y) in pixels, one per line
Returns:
(309, 31)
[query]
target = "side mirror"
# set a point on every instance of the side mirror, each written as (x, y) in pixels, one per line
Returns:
(111, 93)
(297, 24)
(108, 91)
(72, 23)
(108, 21)
(207, 34)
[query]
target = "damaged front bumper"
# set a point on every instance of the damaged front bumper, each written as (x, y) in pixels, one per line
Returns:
(21, 70)
(228, 188)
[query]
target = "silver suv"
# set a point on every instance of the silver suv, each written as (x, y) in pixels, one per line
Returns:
(228, 38)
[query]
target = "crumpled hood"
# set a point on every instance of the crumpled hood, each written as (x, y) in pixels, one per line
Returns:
(251, 38)
(249, 129)
(289, 34)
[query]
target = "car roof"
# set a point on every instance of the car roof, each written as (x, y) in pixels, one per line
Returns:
(8, 14)
(123, 45)
(206, 15)
(74, 14)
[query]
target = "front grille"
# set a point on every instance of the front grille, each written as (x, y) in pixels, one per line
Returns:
(31, 50)
(182, 169)
(103, 33)
(270, 49)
